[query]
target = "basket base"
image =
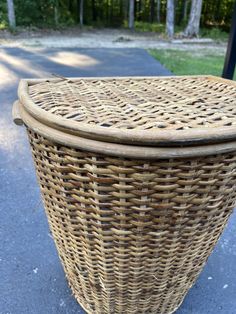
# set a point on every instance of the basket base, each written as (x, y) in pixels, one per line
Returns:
(81, 303)
(89, 311)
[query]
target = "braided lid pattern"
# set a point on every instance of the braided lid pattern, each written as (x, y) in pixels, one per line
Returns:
(151, 103)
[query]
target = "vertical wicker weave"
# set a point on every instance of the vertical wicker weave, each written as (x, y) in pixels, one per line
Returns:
(133, 234)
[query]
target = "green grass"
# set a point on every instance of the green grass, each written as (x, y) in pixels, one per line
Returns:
(188, 63)
(149, 27)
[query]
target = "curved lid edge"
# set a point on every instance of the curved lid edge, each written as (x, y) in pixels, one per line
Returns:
(134, 137)
(122, 150)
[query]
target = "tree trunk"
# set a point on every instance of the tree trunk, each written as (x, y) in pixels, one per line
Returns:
(152, 10)
(11, 13)
(139, 4)
(94, 11)
(125, 9)
(56, 17)
(192, 28)
(111, 12)
(107, 11)
(138, 10)
(217, 14)
(185, 9)
(121, 8)
(70, 6)
(131, 14)
(170, 18)
(81, 13)
(158, 11)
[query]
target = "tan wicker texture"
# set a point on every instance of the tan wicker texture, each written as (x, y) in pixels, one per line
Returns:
(132, 235)
(145, 111)
(138, 180)
(141, 104)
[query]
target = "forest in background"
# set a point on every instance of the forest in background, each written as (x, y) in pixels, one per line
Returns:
(150, 15)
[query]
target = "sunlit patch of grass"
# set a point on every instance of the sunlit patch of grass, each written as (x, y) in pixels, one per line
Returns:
(189, 63)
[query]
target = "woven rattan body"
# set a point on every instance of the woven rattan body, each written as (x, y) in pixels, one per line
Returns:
(138, 181)
(132, 235)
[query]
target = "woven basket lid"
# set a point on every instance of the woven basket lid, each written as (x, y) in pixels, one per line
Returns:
(152, 111)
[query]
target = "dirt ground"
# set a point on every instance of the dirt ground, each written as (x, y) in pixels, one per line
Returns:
(105, 38)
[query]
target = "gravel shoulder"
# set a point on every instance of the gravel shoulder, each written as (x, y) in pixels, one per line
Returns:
(107, 38)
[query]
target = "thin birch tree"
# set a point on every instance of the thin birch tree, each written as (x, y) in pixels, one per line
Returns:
(11, 13)
(158, 11)
(131, 14)
(81, 13)
(170, 18)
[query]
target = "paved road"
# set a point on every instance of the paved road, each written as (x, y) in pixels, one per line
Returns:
(31, 278)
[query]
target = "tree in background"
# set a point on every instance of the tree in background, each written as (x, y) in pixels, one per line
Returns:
(131, 14)
(81, 13)
(158, 11)
(215, 14)
(56, 12)
(11, 13)
(192, 29)
(170, 18)
(152, 11)
(185, 10)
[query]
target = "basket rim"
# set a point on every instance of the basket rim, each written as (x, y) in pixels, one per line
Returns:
(161, 138)
(121, 150)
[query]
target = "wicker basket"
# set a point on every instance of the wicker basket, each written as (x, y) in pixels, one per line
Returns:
(138, 181)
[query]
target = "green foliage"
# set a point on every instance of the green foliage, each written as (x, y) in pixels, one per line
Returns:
(149, 27)
(216, 14)
(3, 24)
(214, 33)
(3, 15)
(28, 12)
(189, 63)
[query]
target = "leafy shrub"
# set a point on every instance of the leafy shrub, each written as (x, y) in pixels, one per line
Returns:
(214, 33)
